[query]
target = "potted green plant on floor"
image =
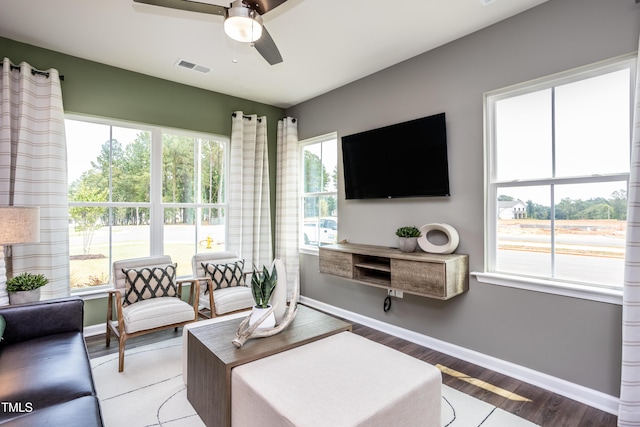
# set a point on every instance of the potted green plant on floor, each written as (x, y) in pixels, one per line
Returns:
(408, 238)
(263, 284)
(25, 287)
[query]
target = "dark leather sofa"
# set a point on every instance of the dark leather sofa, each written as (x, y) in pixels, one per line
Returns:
(45, 375)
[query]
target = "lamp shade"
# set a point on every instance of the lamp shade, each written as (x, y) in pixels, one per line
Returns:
(243, 24)
(19, 224)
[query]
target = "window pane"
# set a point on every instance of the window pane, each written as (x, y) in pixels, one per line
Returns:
(524, 136)
(89, 246)
(211, 168)
(131, 165)
(104, 158)
(320, 223)
(88, 161)
(105, 164)
(314, 173)
(211, 230)
(184, 236)
(590, 232)
(524, 230)
(178, 155)
(592, 125)
(130, 233)
(95, 242)
(330, 165)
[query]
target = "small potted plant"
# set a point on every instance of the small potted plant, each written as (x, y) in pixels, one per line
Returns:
(408, 238)
(263, 284)
(25, 287)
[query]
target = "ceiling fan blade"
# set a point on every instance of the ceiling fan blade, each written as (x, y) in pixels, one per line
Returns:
(191, 6)
(263, 6)
(267, 48)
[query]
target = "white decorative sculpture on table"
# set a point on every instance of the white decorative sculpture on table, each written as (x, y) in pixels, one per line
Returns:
(284, 315)
(453, 239)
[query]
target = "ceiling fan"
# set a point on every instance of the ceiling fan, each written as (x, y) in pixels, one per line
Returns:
(243, 21)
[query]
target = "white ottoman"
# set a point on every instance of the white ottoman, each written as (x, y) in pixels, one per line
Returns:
(342, 380)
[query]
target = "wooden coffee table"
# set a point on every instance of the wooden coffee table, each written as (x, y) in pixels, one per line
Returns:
(212, 355)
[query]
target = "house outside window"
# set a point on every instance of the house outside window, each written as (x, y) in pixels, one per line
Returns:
(136, 191)
(319, 204)
(557, 167)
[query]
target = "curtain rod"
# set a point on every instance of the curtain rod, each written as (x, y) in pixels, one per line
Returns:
(34, 71)
(247, 117)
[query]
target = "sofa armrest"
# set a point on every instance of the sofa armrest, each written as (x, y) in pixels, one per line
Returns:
(28, 321)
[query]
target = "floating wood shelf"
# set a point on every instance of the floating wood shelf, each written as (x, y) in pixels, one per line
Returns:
(418, 273)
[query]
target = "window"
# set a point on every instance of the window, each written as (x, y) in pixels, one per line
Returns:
(319, 205)
(557, 165)
(135, 191)
(193, 197)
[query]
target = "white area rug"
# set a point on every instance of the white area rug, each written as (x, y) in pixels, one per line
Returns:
(150, 392)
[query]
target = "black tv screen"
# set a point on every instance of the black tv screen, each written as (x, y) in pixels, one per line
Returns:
(402, 160)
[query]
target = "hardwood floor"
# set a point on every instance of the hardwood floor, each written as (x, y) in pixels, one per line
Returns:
(537, 405)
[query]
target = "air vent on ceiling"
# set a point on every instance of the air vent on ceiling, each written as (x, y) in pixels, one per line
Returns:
(192, 66)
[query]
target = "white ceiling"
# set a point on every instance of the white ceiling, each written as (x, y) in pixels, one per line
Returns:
(325, 43)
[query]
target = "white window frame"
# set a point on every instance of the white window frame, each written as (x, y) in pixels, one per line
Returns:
(491, 184)
(312, 249)
(155, 204)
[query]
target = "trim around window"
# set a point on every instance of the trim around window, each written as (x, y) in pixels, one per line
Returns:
(572, 290)
(550, 285)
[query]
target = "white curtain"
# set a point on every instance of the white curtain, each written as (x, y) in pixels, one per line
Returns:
(249, 213)
(287, 200)
(33, 169)
(629, 411)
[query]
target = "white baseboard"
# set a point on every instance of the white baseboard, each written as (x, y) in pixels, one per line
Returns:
(582, 394)
(93, 330)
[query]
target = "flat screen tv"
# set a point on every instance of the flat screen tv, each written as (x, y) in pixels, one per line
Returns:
(402, 160)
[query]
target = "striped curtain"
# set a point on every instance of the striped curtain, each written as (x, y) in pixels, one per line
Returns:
(249, 215)
(287, 212)
(33, 169)
(629, 411)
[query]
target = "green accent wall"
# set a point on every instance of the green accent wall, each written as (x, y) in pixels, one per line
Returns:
(96, 89)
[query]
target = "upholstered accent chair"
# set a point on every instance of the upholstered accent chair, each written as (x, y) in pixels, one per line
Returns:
(224, 284)
(147, 298)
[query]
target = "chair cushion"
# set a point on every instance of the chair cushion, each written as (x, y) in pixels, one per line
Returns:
(225, 275)
(156, 312)
(149, 282)
(230, 299)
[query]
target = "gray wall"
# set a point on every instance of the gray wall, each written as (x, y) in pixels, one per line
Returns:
(573, 339)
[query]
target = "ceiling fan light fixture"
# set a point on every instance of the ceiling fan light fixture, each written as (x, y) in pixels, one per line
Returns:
(243, 24)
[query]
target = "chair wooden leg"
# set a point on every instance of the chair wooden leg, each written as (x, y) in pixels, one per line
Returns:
(108, 335)
(121, 355)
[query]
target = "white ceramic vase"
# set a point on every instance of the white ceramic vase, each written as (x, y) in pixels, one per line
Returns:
(257, 313)
(279, 295)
